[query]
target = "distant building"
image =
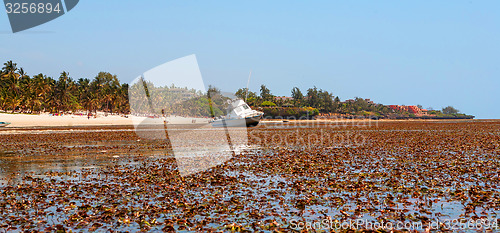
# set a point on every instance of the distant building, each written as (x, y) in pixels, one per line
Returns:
(283, 98)
(411, 109)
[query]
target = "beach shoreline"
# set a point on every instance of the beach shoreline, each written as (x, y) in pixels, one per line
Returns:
(68, 120)
(47, 120)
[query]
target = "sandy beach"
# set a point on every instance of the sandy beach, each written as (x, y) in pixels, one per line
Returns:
(27, 120)
(47, 120)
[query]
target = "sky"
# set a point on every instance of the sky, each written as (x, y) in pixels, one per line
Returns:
(432, 53)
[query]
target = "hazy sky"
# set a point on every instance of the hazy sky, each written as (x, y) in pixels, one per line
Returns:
(433, 53)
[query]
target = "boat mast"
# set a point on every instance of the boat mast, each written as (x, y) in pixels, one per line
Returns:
(248, 82)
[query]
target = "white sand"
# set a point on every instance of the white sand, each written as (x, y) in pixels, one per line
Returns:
(25, 120)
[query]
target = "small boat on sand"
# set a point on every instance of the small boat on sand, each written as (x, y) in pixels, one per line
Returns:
(239, 114)
(3, 124)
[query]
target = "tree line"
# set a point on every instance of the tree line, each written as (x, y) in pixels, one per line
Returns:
(146, 98)
(322, 100)
(20, 92)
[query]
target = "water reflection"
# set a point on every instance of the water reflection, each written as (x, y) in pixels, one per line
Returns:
(13, 167)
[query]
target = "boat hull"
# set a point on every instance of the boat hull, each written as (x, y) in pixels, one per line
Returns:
(243, 122)
(253, 121)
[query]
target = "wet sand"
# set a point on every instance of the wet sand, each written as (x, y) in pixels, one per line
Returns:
(107, 178)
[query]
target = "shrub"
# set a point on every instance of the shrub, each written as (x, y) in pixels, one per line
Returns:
(268, 104)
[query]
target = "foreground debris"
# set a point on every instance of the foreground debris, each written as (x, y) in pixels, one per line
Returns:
(414, 172)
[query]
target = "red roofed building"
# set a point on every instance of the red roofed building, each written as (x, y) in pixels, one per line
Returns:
(411, 109)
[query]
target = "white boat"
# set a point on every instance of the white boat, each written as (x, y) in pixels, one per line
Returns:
(3, 124)
(239, 114)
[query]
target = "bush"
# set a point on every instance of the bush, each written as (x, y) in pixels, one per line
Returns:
(450, 110)
(291, 112)
(268, 104)
(297, 113)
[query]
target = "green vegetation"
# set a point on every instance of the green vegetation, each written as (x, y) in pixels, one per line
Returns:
(268, 104)
(450, 110)
(320, 101)
(21, 93)
(24, 94)
(448, 113)
(290, 113)
(146, 98)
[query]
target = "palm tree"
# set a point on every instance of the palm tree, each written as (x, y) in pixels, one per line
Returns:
(42, 92)
(27, 91)
(106, 85)
(49, 99)
(64, 98)
(122, 104)
(11, 79)
(20, 92)
(83, 89)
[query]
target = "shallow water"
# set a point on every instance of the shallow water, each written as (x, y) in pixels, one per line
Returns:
(98, 179)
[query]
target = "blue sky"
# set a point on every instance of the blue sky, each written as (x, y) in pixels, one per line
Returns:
(433, 53)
